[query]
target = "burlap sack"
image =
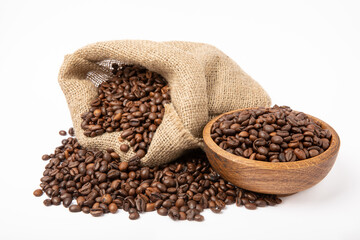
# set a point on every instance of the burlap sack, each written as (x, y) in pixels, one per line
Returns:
(204, 82)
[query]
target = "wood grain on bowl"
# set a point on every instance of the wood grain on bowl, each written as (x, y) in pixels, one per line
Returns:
(267, 177)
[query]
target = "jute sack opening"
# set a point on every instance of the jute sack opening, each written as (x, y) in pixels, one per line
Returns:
(204, 82)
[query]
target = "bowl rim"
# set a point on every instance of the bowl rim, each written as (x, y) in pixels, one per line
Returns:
(309, 162)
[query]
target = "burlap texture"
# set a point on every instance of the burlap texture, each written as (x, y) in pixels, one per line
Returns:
(204, 82)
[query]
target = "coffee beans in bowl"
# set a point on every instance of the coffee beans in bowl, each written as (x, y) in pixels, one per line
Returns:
(276, 134)
(271, 150)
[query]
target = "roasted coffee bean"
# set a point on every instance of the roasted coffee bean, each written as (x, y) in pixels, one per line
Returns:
(71, 132)
(74, 208)
(62, 133)
(85, 210)
(276, 134)
(107, 199)
(260, 203)
(45, 157)
(67, 202)
(123, 166)
(47, 202)
(38, 193)
(250, 206)
(55, 201)
(162, 211)
(199, 218)
(124, 147)
(150, 207)
(134, 215)
(277, 139)
(102, 184)
(113, 208)
(96, 212)
(300, 154)
(313, 152)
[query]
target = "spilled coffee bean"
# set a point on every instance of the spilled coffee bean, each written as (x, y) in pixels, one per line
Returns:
(276, 134)
(100, 183)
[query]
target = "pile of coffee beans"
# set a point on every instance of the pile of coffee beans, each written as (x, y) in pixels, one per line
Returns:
(98, 182)
(276, 134)
(132, 102)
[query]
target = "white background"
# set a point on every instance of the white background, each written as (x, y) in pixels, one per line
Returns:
(306, 55)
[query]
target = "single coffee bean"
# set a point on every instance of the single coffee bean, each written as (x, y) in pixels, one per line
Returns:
(97, 212)
(107, 199)
(162, 211)
(113, 208)
(300, 154)
(74, 208)
(124, 147)
(71, 132)
(67, 202)
(38, 193)
(134, 216)
(277, 139)
(313, 152)
(62, 133)
(150, 207)
(199, 218)
(250, 206)
(123, 166)
(45, 157)
(47, 202)
(55, 201)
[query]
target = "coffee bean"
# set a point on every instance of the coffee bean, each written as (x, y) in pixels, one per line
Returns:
(144, 173)
(134, 215)
(62, 133)
(140, 153)
(85, 210)
(97, 212)
(277, 139)
(199, 218)
(180, 202)
(150, 207)
(288, 155)
(47, 202)
(55, 201)
(38, 193)
(162, 211)
(263, 150)
(313, 152)
(300, 154)
(45, 157)
(74, 208)
(67, 202)
(107, 199)
(260, 203)
(123, 166)
(124, 147)
(113, 208)
(71, 132)
(268, 128)
(250, 206)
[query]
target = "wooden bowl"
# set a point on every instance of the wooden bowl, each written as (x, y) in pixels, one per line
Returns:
(273, 178)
